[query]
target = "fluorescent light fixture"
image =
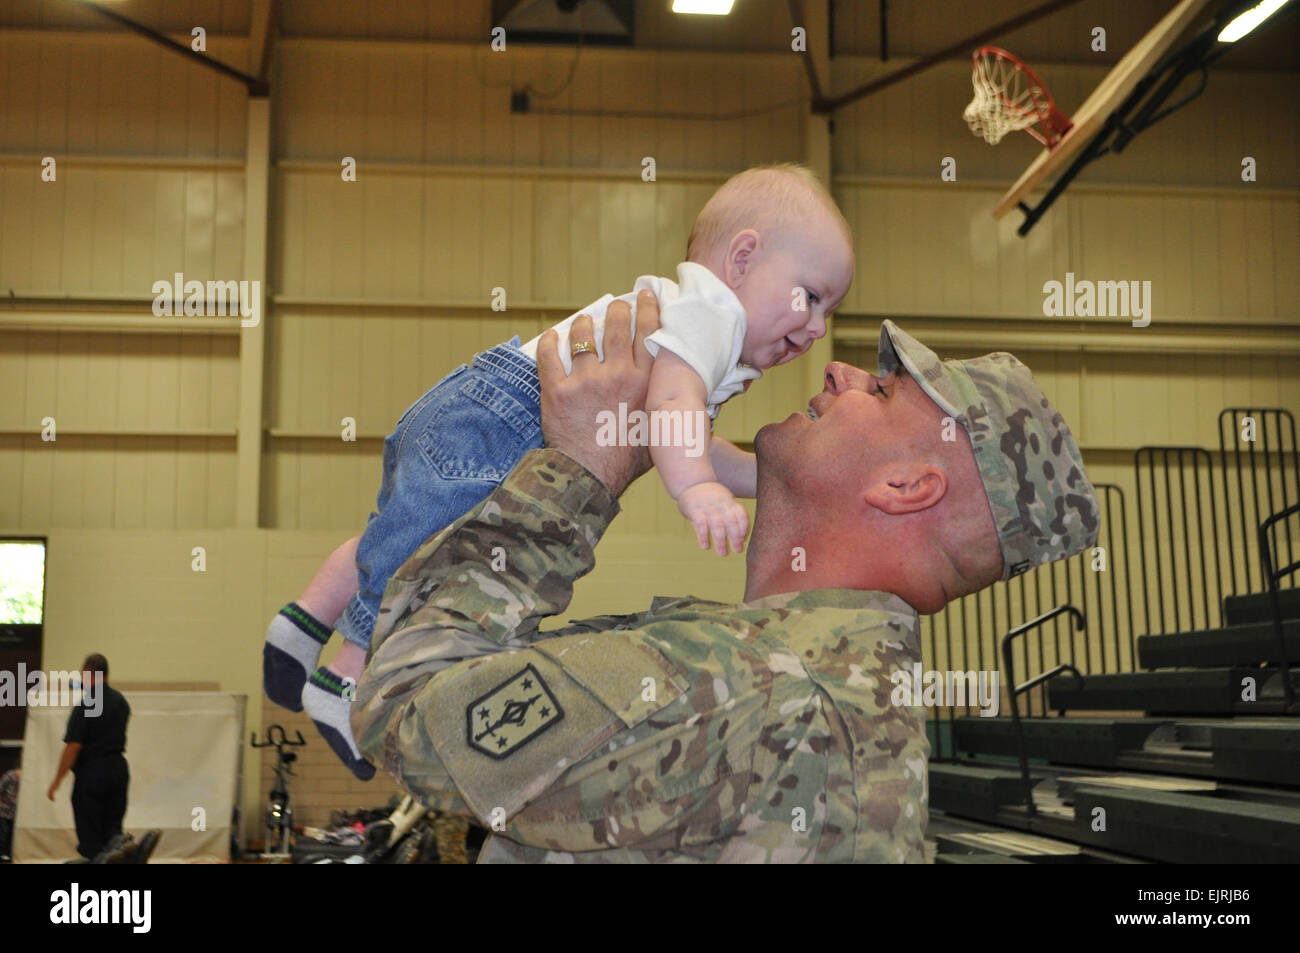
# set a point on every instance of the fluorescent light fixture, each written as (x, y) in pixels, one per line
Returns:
(1247, 21)
(717, 8)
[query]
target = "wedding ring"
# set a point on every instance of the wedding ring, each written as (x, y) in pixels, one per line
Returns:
(580, 347)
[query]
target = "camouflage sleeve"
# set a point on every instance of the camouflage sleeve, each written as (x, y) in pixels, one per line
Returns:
(474, 591)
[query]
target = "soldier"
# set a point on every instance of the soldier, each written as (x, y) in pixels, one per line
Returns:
(698, 731)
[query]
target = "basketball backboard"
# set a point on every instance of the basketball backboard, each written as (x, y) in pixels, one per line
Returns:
(1105, 99)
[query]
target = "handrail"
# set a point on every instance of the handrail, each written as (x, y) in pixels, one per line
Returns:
(1271, 579)
(1014, 690)
(1230, 444)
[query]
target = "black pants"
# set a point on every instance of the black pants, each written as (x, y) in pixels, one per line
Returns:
(99, 803)
(6, 836)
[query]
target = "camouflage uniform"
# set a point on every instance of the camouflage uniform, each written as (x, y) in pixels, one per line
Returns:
(695, 731)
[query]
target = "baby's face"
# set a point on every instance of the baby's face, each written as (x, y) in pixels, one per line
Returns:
(790, 291)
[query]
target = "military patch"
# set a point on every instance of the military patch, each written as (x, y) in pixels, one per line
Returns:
(512, 714)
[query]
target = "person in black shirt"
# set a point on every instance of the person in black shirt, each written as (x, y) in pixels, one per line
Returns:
(93, 745)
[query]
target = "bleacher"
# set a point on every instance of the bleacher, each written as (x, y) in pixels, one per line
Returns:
(1185, 749)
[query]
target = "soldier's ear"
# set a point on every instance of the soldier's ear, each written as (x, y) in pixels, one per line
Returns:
(907, 488)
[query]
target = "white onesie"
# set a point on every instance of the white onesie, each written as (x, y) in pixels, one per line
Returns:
(700, 320)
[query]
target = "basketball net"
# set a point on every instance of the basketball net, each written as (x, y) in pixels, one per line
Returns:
(1009, 97)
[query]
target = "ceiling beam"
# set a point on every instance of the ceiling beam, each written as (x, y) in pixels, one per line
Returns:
(962, 47)
(256, 87)
(261, 36)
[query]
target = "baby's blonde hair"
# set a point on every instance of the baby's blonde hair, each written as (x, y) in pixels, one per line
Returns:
(770, 199)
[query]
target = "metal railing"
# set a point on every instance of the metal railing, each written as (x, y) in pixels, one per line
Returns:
(1099, 580)
(1267, 552)
(1178, 520)
(1016, 690)
(1257, 447)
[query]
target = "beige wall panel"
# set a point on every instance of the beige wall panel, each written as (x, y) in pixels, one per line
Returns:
(305, 101)
(118, 94)
(551, 218)
(41, 396)
(45, 237)
(316, 413)
(406, 379)
(33, 472)
(338, 99)
(282, 464)
(514, 250)
(554, 242)
(1207, 257)
(21, 81)
(1203, 255)
(228, 226)
(1013, 275)
(129, 487)
(461, 19)
(56, 83)
(169, 224)
(194, 380)
(1236, 271)
(344, 240)
(13, 369)
(135, 241)
(18, 224)
(588, 232)
(347, 92)
(344, 357)
(1176, 247)
(225, 16)
(125, 382)
(1260, 298)
(68, 372)
(1286, 255)
(860, 208)
(78, 246)
(116, 231)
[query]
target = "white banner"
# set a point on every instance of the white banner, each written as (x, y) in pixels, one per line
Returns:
(184, 751)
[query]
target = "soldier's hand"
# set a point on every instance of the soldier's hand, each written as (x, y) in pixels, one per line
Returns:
(571, 405)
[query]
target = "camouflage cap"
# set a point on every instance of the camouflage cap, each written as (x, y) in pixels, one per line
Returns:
(1044, 507)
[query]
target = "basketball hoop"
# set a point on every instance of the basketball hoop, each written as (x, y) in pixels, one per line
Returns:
(1008, 96)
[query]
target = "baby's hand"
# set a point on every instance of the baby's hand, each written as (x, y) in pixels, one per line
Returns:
(714, 511)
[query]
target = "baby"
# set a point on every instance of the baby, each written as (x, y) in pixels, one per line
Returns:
(769, 258)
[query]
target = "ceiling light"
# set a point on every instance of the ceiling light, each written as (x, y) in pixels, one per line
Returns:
(717, 8)
(1247, 21)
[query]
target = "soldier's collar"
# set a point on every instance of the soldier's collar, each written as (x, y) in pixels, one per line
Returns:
(807, 599)
(835, 599)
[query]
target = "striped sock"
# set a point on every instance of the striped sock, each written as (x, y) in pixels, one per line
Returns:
(327, 697)
(293, 646)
